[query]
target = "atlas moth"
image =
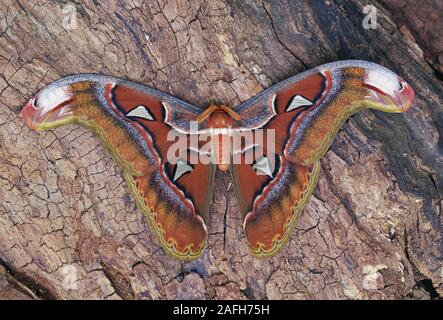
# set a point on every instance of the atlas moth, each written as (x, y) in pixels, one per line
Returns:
(303, 113)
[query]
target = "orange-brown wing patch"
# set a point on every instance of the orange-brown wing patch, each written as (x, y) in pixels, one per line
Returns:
(269, 225)
(179, 230)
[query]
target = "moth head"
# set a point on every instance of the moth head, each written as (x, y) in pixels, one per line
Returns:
(219, 116)
(50, 108)
(387, 91)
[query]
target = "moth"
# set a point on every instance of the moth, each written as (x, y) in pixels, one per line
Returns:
(292, 125)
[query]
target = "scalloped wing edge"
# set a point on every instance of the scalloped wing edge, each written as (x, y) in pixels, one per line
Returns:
(169, 247)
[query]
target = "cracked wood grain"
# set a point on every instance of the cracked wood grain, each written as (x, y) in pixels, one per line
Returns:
(69, 228)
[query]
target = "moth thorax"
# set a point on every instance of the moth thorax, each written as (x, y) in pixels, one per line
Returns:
(221, 147)
(220, 123)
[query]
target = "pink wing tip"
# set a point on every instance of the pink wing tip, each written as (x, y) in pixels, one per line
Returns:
(30, 114)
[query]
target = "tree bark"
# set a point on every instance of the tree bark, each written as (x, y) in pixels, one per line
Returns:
(69, 228)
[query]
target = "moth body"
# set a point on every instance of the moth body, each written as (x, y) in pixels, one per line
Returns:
(220, 123)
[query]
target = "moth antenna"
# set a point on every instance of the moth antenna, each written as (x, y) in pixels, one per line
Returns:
(231, 112)
(206, 113)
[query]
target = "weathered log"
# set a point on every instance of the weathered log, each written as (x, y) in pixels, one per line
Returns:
(69, 228)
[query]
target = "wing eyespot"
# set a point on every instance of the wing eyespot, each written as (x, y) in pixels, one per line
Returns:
(181, 168)
(298, 101)
(140, 112)
(263, 166)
